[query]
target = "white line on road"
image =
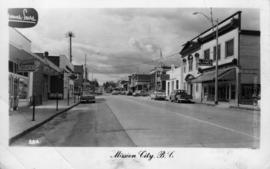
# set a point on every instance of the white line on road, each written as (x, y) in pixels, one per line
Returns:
(202, 121)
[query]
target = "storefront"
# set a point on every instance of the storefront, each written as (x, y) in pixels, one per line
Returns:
(226, 84)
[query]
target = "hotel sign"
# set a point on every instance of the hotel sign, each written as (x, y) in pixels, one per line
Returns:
(205, 62)
(28, 66)
(22, 17)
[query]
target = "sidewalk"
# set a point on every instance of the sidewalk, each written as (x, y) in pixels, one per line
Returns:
(21, 121)
(229, 105)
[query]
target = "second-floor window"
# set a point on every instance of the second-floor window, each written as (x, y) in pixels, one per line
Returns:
(190, 64)
(207, 54)
(229, 46)
(215, 51)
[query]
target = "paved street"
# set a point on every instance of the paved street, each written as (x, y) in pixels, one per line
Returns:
(138, 121)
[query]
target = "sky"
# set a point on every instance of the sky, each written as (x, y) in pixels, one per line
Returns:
(119, 41)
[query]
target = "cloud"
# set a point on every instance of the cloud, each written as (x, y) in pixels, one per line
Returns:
(117, 42)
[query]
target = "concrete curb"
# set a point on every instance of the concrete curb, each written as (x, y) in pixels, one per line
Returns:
(14, 138)
(245, 108)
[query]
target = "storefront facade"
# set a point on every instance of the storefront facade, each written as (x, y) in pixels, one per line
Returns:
(238, 79)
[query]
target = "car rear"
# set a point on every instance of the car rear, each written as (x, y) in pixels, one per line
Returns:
(87, 97)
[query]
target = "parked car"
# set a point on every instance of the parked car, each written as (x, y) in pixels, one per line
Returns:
(136, 93)
(129, 93)
(87, 97)
(115, 92)
(180, 96)
(158, 95)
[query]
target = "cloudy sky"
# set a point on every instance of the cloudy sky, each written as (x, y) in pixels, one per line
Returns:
(118, 42)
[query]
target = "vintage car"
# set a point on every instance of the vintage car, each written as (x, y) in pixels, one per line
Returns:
(180, 96)
(87, 96)
(158, 95)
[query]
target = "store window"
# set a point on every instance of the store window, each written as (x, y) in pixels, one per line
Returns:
(232, 91)
(207, 54)
(229, 48)
(215, 51)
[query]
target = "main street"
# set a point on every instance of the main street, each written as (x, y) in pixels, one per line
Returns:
(138, 121)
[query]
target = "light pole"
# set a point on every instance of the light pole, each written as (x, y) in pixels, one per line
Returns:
(216, 68)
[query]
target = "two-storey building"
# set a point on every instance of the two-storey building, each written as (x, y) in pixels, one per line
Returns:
(175, 80)
(238, 63)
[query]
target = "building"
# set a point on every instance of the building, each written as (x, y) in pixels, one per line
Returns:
(28, 72)
(63, 82)
(176, 79)
(238, 79)
(140, 82)
(78, 82)
(159, 77)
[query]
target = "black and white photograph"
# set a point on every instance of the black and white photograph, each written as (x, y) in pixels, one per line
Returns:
(135, 77)
(142, 83)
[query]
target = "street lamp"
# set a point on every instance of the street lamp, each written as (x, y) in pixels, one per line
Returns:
(212, 22)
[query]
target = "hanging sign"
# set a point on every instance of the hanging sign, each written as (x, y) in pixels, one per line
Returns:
(28, 66)
(205, 62)
(22, 17)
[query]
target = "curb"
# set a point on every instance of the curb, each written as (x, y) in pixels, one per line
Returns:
(245, 108)
(12, 139)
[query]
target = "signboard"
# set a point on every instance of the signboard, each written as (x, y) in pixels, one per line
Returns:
(165, 77)
(28, 66)
(204, 62)
(22, 17)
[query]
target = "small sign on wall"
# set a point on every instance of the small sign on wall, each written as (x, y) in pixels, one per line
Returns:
(205, 62)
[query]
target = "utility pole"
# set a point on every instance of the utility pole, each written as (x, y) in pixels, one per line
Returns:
(70, 35)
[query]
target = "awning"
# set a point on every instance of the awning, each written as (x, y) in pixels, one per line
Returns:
(224, 74)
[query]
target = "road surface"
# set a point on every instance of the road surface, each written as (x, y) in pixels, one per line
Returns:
(126, 121)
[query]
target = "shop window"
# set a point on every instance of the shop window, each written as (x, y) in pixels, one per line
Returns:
(229, 46)
(215, 51)
(177, 84)
(10, 66)
(232, 91)
(207, 54)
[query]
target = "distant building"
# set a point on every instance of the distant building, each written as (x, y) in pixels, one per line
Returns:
(159, 77)
(78, 82)
(238, 63)
(140, 82)
(63, 83)
(175, 81)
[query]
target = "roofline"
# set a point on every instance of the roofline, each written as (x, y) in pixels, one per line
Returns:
(22, 35)
(236, 13)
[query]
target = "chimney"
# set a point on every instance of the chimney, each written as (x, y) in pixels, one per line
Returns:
(46, 54)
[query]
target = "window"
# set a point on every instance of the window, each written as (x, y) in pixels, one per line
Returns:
(184, 68)
(190, 64)
(177, 84)
(229, 48)
(197, 87)
(197, 63)
(207, 54)
(214, 57)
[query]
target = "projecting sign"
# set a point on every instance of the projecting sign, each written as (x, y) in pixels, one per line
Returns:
(28, 66)
(205, 62)
(22, 17)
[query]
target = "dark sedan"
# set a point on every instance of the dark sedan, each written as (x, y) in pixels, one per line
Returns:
(87, 97)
